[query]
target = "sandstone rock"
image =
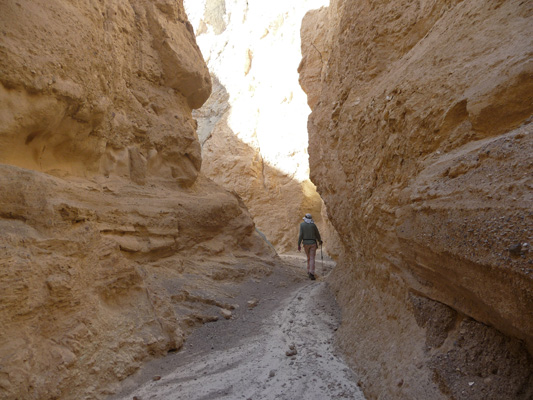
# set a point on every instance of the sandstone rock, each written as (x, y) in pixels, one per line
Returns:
(102, 101)
(103, 212)
(66, 266)
(419, 140)
(315, 53)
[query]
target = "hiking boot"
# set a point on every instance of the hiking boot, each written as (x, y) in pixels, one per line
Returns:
(312, 277)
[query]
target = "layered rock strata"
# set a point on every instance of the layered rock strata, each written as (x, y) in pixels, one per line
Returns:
(420, 146)
(253, 128)
(112, 244)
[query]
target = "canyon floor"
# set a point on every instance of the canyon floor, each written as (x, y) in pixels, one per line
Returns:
(278, 344)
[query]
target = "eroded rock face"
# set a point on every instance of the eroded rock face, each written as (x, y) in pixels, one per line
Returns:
(83, 85)
(420, 146)
(105, 221)
(253, 128)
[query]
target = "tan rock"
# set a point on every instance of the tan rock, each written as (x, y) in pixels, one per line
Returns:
(94, 96)
(315, 53)
(419, 146)
(104, 216)
(84, 272)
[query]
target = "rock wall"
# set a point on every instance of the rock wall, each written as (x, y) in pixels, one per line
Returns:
(112, 244)
(253, 128)
(420, 145)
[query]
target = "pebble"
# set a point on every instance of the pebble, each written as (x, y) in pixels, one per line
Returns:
(515, 249)
(156, 378)
(272, 374)
(227, 314)
(292, 351)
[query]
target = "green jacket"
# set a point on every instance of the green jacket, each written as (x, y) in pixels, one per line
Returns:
(309, 234)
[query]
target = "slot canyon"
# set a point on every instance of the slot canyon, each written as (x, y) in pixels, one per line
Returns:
(157, 158)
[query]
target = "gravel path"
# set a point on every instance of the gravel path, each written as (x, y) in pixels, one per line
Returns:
(283, 351)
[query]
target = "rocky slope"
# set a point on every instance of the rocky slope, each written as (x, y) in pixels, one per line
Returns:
(112, 244)
(420, 145)
(253, 128)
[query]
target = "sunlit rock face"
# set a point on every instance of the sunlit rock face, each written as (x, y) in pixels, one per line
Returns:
(420, 145)
(105, 220)
(253, 128)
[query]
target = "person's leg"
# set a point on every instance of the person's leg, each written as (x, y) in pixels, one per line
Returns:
(311, 258)
(307, 249)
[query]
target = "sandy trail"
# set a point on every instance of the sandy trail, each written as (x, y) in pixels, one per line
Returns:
(247, 359)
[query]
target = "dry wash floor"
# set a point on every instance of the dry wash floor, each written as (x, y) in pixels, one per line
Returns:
(248, 356)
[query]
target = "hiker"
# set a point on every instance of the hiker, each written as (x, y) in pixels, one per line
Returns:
(311, 237)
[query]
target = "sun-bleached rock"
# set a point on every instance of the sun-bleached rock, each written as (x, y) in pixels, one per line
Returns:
(104, 217)
(253, 128)
(420, 145)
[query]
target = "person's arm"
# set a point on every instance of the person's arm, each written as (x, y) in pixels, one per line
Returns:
(300, 237)
(318, 235)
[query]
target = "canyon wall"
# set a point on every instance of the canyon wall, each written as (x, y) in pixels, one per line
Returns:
(420, 145)
(112, 244)
(253, 128)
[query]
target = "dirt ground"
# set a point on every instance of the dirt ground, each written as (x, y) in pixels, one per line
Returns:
(278, 344)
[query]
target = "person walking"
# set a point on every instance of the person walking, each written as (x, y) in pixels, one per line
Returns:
(310, 236)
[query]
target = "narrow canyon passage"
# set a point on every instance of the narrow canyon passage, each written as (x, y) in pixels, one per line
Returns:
(157, 156)
(278, 344)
